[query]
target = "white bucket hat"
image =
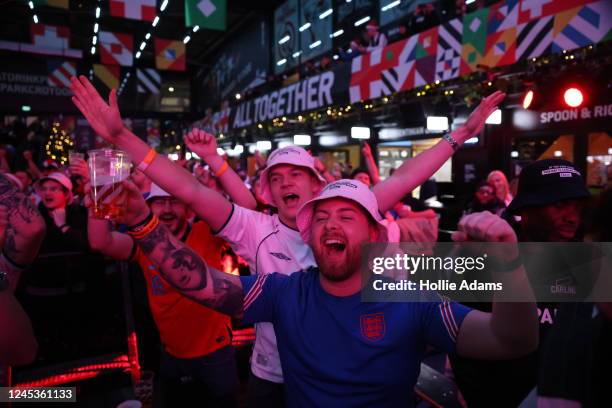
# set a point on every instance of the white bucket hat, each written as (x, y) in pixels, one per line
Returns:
(353, 190)
(293, 155)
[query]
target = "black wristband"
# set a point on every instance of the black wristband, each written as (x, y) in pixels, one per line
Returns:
(141, 223)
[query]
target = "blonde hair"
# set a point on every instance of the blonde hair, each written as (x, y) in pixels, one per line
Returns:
(505, 183)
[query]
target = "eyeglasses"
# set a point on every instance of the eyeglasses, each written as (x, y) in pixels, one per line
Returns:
(163, 201)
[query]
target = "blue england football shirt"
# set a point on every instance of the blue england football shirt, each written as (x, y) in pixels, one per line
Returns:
(339, 351)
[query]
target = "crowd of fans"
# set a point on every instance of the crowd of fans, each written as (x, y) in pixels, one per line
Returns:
(197, 230)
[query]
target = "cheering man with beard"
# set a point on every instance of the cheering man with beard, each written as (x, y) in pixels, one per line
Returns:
(268, 243)
(335, 349)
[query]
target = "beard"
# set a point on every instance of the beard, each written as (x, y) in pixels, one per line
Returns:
(338, 269)
(173, 223)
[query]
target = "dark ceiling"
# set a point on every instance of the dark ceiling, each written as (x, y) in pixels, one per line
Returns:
(16, 17)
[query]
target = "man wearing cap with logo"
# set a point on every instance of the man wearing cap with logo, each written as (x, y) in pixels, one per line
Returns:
(550, 199)
(268, 243)
(336, 350)
(196, 339)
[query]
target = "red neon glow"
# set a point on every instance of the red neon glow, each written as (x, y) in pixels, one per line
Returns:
(573, 97)
(79, 373)
(528, 99)
(134, 360)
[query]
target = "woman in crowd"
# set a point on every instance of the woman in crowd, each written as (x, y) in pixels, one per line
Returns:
(502, 188)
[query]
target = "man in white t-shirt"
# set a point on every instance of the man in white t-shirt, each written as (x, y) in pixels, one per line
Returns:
(268, 243)
(273, 244)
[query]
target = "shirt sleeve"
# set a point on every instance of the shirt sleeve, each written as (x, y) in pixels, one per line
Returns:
(441, 323)
(242, 231)
(260, 297)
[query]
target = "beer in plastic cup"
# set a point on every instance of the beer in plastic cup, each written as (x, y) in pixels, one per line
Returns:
(107, 170)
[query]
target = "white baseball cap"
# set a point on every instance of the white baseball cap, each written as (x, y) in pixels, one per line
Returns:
(156, 191)
(353, 190)
(60, 178)
(293, 155)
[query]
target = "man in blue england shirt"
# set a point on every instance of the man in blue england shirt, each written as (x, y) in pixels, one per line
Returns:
(336, 350)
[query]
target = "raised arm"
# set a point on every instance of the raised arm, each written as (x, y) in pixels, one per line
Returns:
(205, 146)
(414, 172)
(105, 119)
(511, 329)
(103, 238)
(178, 264)
(371, 164)
(32, 167)
(323, 170)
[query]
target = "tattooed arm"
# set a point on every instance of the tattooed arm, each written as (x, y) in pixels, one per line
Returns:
(25, 230)
(188, 273)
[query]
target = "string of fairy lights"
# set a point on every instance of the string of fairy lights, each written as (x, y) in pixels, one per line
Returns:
(467, 90)
(59, 144)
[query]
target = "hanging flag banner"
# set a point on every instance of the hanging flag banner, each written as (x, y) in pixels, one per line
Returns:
(170, 54)
(60, 73)
(148, 86)
(46, 40)
(49, 36)
(135, 9)
(106, 77)
(209, 14)
(490, 37)
(149, 80)
(116, 48)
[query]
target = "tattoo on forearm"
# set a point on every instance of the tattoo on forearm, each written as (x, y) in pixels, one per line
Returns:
(228, 295)
(182, 268)
(189, 263)
(23, 218)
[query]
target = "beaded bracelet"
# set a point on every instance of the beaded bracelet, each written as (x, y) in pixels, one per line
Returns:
(451, 141)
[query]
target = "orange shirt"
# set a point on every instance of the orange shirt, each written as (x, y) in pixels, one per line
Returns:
(187, 329)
